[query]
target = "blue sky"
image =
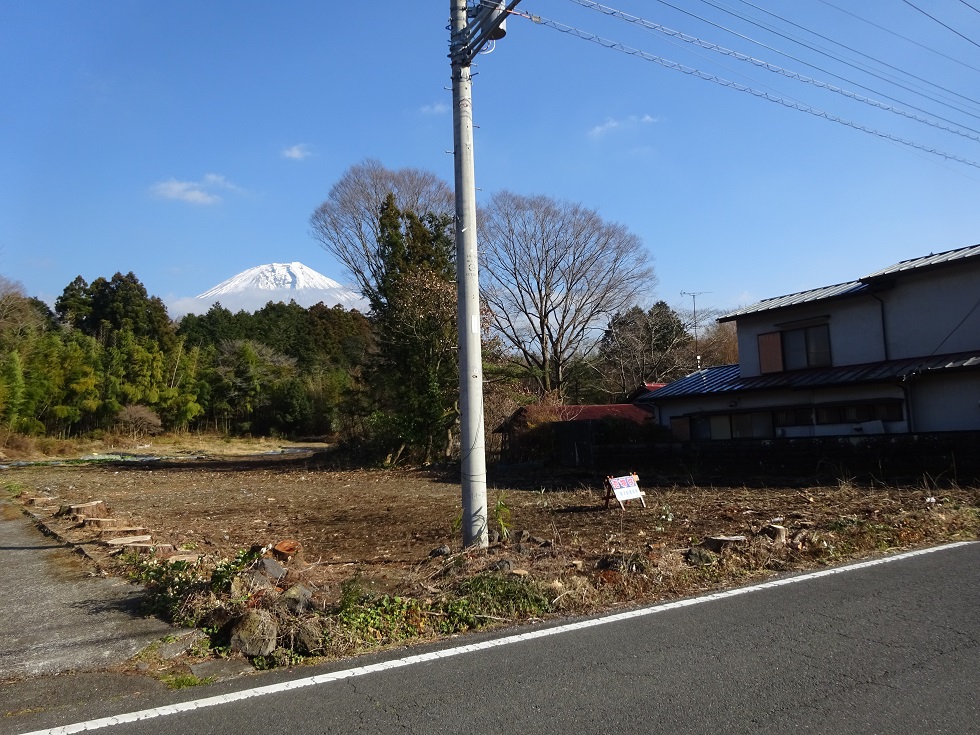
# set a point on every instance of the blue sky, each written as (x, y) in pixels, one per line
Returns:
(188, 141)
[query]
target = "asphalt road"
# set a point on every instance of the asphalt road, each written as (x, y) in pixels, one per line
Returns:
(892, 648)
(54, 615)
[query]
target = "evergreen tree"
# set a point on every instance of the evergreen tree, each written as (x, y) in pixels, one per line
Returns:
(413, 375)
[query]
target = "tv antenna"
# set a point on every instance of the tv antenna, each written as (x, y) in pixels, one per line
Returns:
(694, 299)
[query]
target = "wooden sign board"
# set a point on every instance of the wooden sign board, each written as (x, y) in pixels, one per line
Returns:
(624, 488)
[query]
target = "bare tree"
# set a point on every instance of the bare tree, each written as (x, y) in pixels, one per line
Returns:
(554, 273)
(346, 224)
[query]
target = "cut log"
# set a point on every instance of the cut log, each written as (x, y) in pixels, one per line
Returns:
(127, 540)
(777, 533)
(95, 509)
(43, 500)
(112, 523)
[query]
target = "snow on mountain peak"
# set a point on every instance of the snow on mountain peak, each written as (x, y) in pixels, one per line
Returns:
(273, 277)
(252, 289)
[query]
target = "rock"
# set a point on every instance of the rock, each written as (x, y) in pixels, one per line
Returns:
(297, 599)
(699, 557)
(519, 572)
(521, 548)
(494, 536)
(271, 568)
(254, 634)
(578, 565)
(501, 565)
(440, 551)
(522, 536)
(309, 637)
(717, 543)
(777, 533)
(42, 500)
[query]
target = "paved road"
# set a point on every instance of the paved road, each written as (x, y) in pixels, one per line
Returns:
(54, 615)
(892, 648)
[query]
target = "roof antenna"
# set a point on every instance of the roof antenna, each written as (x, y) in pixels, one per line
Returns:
(694, 298)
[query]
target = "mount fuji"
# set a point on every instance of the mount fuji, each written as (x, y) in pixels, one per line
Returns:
(252, 289)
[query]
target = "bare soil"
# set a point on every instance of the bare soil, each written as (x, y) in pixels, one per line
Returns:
(382, 526)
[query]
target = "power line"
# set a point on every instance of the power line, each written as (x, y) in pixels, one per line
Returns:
(899, 35)
(948, 28)
(971, 7)
(649, 25)
(616, 46)
(861, 53)
(819, 51)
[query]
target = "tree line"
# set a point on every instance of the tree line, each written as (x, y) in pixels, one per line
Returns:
(567, 317)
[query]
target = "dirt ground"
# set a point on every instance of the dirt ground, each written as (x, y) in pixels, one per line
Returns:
(383, 526)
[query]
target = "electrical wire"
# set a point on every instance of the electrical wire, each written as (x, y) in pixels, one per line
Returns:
(616, 46)
(971, 7)
(899, 35)
(948, 28)
(861, 53)
(649, 25)
(818, 50)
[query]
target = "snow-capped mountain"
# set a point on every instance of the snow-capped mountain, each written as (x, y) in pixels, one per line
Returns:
(254, 288)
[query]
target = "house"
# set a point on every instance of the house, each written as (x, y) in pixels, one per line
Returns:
(895, 352)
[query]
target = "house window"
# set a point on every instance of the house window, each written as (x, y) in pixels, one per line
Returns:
(794, 349)
(806, 347)
(859, 413)
(792, 417)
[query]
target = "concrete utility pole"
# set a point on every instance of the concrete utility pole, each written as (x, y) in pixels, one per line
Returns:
(466, 40)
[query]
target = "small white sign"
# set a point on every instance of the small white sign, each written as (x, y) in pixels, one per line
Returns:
(625, 488)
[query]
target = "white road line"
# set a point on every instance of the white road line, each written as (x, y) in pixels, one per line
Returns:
(286, 686)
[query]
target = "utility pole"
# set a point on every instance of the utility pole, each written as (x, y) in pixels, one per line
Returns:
(466, 39)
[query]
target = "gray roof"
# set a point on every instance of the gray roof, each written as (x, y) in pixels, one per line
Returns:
(726, 379)
(803, 297)
(926, 261)
(853, 288)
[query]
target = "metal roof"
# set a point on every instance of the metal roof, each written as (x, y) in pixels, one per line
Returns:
(803, 297)
(852, 288)
(925, 261)
(726, 378)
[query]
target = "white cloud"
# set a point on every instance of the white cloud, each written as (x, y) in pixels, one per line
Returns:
(297, 152)
(195, 192)
(439, 108)
(599, 130)
(631, 121)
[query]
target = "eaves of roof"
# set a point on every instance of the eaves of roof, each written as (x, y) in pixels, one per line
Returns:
(860, 286)
(726, 379)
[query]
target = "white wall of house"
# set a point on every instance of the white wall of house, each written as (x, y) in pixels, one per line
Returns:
(947, 402)
(934, 313)
(854, 323)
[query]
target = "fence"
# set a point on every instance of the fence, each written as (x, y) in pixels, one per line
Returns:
(942, 458)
